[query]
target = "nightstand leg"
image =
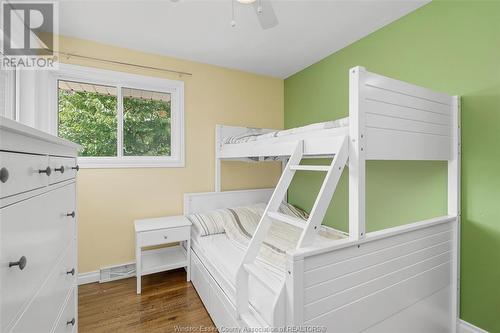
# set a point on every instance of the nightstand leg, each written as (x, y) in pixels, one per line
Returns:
(138, 266)
(188, 268)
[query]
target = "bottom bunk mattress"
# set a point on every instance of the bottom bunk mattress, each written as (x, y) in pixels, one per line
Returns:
(220, 238)
(221, 258)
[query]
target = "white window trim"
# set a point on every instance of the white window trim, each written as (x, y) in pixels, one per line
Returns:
(120, 79)
(8, 110)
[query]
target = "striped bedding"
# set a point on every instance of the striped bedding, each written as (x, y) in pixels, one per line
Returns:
(255, 135)
(240, 223)
(212, 222)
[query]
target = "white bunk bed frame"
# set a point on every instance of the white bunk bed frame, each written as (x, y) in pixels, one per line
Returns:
(404, 278)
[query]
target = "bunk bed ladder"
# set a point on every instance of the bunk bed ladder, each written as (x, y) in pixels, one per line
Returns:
(325, 195)
(310, 227)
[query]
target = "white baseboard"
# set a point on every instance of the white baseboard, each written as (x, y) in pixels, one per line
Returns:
(89, 277)
(95, 276)
(465, 327)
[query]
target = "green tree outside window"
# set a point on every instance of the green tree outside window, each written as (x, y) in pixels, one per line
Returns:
(89, 118)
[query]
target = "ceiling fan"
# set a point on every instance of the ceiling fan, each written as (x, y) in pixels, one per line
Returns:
(264, 11)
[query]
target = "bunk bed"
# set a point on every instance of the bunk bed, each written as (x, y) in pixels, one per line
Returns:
(403, 278)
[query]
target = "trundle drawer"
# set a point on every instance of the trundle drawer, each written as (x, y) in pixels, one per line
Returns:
(42, 312)
(21, 172)
(63, 168)
(69, 320)
(158, 237)
(221, 309)
(199, 278)
(33, 235)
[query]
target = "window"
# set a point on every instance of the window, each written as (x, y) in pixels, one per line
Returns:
(88, 116)
(146, 123)
(120, 120)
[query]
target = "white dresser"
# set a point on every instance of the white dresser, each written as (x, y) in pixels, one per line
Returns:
(38, 290)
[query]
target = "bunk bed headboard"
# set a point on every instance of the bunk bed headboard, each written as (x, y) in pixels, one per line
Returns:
(205, 201)
(395, 120)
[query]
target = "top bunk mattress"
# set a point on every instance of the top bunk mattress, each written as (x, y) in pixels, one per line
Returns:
(256, 134)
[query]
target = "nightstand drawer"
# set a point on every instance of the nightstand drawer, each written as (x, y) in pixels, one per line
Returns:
(163, 236)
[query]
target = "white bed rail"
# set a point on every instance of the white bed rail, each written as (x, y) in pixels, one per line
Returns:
(324, 142)
(224, 131)
(388, 281)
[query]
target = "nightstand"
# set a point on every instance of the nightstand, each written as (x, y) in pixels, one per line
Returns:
(162, 231)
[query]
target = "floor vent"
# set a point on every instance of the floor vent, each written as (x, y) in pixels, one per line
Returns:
(113, 273)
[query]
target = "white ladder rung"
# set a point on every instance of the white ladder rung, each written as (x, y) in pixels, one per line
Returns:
(295, 221)
(324, 168)
(266, 278)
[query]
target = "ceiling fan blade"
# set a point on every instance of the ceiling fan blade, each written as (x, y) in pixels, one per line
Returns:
(265, 14)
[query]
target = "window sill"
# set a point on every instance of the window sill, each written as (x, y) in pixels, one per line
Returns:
(134, 162)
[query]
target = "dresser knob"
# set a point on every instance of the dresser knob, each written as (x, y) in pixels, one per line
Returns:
(21, 263)
(71, 322)
(72, 272)
(4, 175)
(61, 169)
(77, 168)
(47, 171)
(72, 214)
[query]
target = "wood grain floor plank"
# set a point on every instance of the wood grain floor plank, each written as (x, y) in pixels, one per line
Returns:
(167, 301)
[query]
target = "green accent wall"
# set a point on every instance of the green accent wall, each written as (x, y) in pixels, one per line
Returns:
(449, 46)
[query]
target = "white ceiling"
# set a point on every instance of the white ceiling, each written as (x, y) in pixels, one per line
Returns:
(308, 30)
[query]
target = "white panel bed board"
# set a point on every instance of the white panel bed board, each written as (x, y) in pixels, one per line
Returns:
(368, 282)
(371, 286)
(389, 277)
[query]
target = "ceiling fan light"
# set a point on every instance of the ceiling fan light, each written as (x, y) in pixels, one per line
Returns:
(246, 2)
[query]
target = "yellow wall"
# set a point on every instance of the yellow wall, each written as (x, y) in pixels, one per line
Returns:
(110, 199)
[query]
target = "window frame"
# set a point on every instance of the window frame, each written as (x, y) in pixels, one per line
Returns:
(8, 110)
(125, 80)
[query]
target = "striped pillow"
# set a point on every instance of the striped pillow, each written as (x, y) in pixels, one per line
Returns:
(209, 223)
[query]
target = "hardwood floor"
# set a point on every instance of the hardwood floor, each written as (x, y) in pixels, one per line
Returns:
(167, 301)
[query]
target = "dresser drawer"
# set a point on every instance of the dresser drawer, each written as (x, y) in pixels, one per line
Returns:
(62, 168)
(42, 313)
(39, 230)
(69, 319)
(158, 237)
(20, 173)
